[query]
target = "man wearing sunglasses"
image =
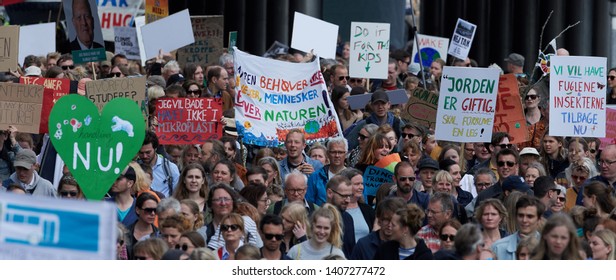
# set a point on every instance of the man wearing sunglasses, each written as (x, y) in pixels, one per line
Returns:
(547, 192)
(485, 153)
(404, 178)
(507, 165)
(339, 76)
(272, 233)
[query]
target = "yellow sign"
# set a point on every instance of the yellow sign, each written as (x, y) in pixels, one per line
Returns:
(155, 10)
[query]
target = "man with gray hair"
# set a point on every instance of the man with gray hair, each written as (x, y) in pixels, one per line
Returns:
(337, 149)
(483, 179)
(295, 190)
(440, 209)
(168, 207)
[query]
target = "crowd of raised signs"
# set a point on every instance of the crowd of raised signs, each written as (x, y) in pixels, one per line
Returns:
(547, 198)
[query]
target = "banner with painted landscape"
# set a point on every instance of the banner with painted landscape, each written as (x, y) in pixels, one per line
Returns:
(274, 97)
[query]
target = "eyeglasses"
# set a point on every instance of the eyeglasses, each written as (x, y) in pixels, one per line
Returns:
(355, 80)
(296, 191)
(222, 200)
(505, 146)
(270, 236)
(229, 227)
(194, 92)
(502, 163)
(409, 135)
(149, 210)
(68, 193)
(531, 97)
(445, 237)
(183, 247)
(578, 178)
(344, 196)
(140, 258)
(66, 67)
(561, 198)
(483, 185)
(362, 137)
(402, 179)
(606, 162)
(337, 152)
(116, 74)
(611, 78)
(343, 78)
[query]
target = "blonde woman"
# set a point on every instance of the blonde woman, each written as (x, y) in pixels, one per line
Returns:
(325, 236)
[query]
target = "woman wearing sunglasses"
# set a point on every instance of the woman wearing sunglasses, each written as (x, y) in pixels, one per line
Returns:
(577, 173)
(189, 241)
(69, 188)
(232, 231)
(447, 234)
(535, 102)
(611, 86)
(144, 227)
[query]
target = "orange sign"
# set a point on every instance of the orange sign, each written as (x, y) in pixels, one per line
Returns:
(509, 116)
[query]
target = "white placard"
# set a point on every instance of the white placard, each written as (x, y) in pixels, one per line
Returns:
(462, 39)
(31, 36)
(577, 96)
(314, 34)
(169, 34)
(126, 42)
(369, 45)
(432, 47)
(466, 104)
(140, 22)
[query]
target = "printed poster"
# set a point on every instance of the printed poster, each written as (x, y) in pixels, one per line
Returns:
(462, 39)
(272, 100)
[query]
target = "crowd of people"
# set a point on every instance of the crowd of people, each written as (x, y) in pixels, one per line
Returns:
(548, 197)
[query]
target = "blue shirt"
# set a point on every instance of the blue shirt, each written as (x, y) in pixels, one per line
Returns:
(160, 180)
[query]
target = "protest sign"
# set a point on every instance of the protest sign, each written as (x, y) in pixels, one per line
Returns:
(20, 105)
(272, 100)
(140, 22)
(188, 120)
(369, 45)
(169, 34)
(31, 36)
(610, 127)
(126, 42)
(118, 13)
(466, 104)
(374, 177)
(462, 39)
(208, 32)
(397, 96)
(156, 9)
(577, 96)
(83, 26)
(102, 92)
(509, 116)
(432, 47)
(421, 108)
(96, 146)
(46, 228)
(53, 90)
(9, 47)
(314, 34)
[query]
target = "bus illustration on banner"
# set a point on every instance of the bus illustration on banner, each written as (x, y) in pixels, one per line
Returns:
(30, 227)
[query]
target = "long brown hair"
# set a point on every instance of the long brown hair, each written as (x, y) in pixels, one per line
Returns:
(368, 156)
(181, 192)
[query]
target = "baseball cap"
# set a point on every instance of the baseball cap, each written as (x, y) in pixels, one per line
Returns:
(427, 162)
(230, 127)
(379, 95)
(175, 78)
(515, 59)
(129, 173)
(515, 183)
(25, 158)
(33, 71)
(105, 63)
(529, 151)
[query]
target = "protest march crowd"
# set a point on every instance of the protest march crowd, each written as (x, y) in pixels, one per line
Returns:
(549, 197)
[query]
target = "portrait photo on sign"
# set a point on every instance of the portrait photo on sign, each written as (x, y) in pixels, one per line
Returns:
(84, 27)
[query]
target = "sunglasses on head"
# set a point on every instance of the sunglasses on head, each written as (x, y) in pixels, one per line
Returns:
(531, 97)
(269, 236)
(445, 237)
(66, 67)
(116, 74)
(505, 146)
(68, 193)
(611, 78)
(502, 163)
(149, 210)
(229, 227)
(344, 77)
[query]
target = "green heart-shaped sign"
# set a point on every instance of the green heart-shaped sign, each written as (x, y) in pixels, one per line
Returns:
(96, 147)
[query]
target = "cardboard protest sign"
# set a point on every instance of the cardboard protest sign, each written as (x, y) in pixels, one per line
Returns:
(369, 45)
(20, 105)
(432, 47)
(84, 27)
(577, 96)
(466, 104)
(188, 120)
(46, 228)
(96, 146)
(509, 116)
(421, 108)
(360, 101)
(169, 34)
(156, 9)
(126, 42)
(610, 127)
(462, 39)
(314, 34)
(272, 100)
(31, 36)
(102, 92)
(118, 13)
(374, 177)
(9, 47)
(209, 33)
(53, 90)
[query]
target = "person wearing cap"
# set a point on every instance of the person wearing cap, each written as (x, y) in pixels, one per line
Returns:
(105, 69)
(514, 183)
(527, 155)
(426, 169)
(515, 64)
(122, 196)
(27, 177)
(175, 79)
(380, 105)
(33, 71)
(217, 85)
